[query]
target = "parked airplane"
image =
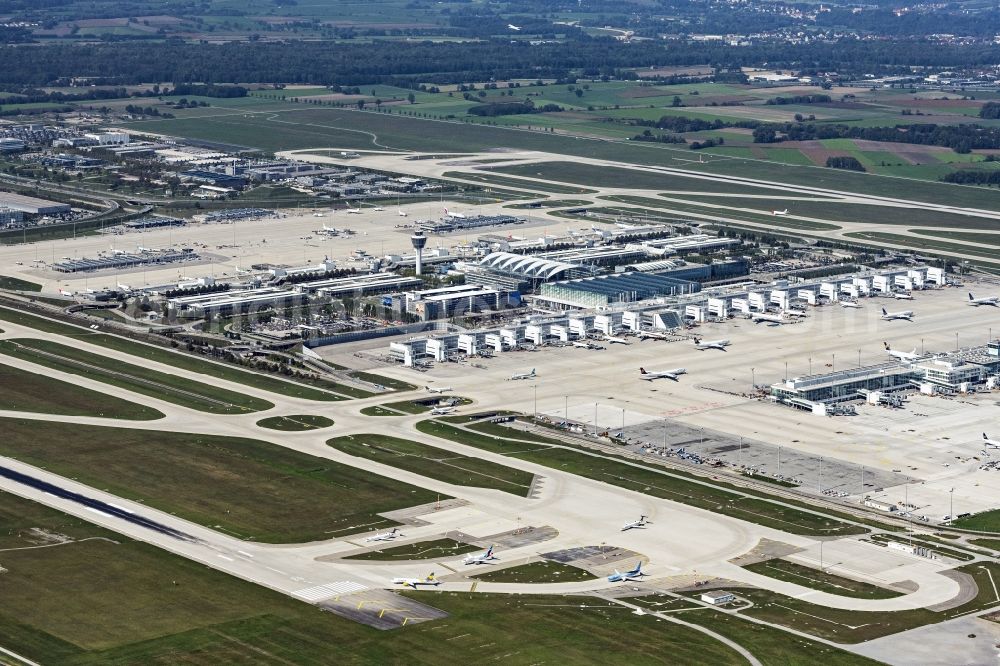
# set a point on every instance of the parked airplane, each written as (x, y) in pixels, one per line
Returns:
(377, 209)
(769, 318)
(615, 340)
(583, 344)
(439, 389)
(454, 216)
(985, 300)
(317, 214)
(482, 558)
(651, 335)
(903, 296)
(635, 524)
(779, 212)
(673, 374)
(902, 314)
(524, 375)
(385, 536)
(414, 582)
(123, 287)
(354, 211)
(515, 28)
(902, 356)
(711, 344)
(850, 304)
(630, 575)
(991, 443)
(402, 213)
(441, 411)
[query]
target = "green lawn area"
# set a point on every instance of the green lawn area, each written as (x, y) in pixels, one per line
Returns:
(388, 382)
(30, 392)
(987, 521)
(715, 497)
(965, 236)
(773, 646)
(422, 550)
(493, 179)
(922, 244)
(435, 463)
(295, 422)
(248, 488)
(184, 361)
(849, 626)
(823, 581)
(149, 607)
(598, 176)
(379, 410)
(171, 388)
(992, 544)
(17, 284)
(536, 572)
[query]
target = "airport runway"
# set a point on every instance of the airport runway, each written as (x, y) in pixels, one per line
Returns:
(682, 539)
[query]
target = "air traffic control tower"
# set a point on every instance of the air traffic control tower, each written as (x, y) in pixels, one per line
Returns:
(419, 241)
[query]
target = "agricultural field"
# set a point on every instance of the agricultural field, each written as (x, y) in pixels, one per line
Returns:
(246, 488)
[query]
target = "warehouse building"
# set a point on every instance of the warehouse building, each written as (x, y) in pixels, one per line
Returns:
(31, 205)
(235, 302)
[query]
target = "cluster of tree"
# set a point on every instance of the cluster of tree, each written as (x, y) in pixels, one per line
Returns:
(972, 177)
(990, 110)
(201, 289)
(511, 108)
(707, 143)
(30, 95)
(680, 125)
(647, 135)
(848, 162)
(137, 110)
(34, 111)
(800, 99)
(430, 63)
(208, 90)
(960, 138)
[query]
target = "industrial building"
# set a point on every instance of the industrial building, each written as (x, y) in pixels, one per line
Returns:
(10, 218)
(153, 222)
(31, 205)
(358, 286)
(452, 301)
(603, 290)
(123, 261)
(235, 302)
(452, 223)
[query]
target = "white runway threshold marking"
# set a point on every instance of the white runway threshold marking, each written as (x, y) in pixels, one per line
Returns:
(320, 592)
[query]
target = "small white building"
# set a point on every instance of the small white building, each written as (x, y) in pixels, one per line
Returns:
(718, 597)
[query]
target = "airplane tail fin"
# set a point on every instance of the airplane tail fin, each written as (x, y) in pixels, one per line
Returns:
(887, 347)
(971, 298)
(697, 341)
(884, 312)
(642, 371)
